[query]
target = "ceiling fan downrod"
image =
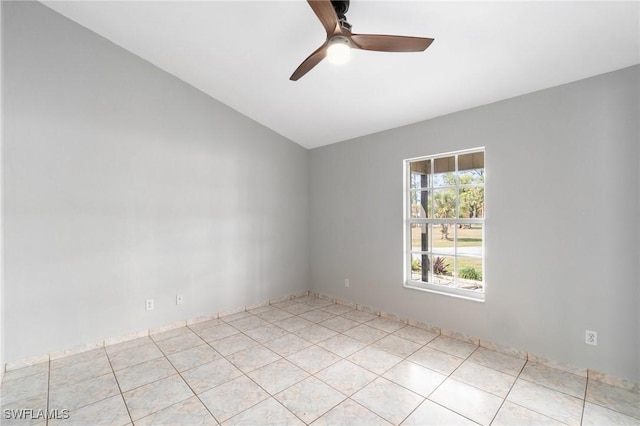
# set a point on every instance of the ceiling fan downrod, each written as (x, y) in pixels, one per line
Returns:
(342, 7)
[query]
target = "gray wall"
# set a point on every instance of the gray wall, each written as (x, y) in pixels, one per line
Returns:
(122, 183)
(562, 228)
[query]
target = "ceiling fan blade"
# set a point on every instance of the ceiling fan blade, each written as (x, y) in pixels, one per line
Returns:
(313, 60)
(326, 14)
(390, 43)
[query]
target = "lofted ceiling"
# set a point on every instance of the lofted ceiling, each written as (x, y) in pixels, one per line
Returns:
(243, 52)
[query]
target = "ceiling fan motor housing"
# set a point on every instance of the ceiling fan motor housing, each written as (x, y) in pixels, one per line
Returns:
(341, 7)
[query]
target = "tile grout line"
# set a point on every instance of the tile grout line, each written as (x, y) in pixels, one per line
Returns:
(584, 401)
(216, 351)
(186, 382)
(424, 398)
(552, 389)
(330, 365)
(367, 345)
(177, 373)
(145, 384)
(293, 384)
(509, 391)
(246, 374)
(124, 401)
(427, 398)
(192, 390)
(541, 385)
(356, 402)
(308, 372)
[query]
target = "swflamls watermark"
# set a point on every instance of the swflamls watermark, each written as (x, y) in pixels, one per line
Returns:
(35, 414)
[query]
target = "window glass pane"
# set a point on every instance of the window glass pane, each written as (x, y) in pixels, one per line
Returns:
(471, 168)
(442, 269)
(420, 237)
(443, 238)
(471, 202)
(420, 267)
(470, 177)
(444, 203)
(420, 204)
(470, 273)
(420, 174)
(469, 239)
(444, 171)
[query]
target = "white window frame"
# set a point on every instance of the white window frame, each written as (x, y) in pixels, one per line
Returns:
(408, 221)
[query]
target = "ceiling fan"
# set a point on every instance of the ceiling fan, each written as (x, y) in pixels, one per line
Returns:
(340, 39)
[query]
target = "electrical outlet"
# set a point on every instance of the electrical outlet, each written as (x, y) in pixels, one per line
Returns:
(179, 299)
(148, 305)
(346, 282)
(591, 337)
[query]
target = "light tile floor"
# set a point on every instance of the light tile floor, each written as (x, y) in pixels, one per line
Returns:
(307, 361)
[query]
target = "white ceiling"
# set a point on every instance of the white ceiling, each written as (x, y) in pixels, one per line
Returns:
(243, 52)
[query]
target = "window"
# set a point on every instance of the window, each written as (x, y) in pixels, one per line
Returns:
(444, 223)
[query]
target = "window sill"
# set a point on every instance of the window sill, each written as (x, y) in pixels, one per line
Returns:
(446, 291)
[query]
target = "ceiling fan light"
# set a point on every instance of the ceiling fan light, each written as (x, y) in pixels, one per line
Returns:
(339, 50)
